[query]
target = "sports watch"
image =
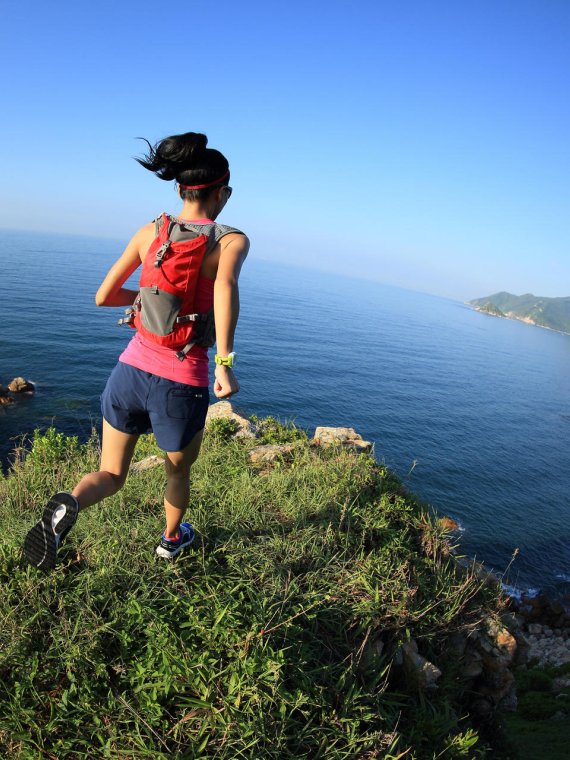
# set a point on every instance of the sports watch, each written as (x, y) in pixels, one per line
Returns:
(226, 361)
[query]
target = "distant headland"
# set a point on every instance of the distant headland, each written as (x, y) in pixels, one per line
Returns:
(552, 313)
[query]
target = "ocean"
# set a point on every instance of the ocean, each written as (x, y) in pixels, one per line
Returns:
(473, 412)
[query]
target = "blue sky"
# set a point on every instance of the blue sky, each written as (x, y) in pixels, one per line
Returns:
(421, 144)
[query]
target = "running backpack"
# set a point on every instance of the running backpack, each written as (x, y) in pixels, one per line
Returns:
(163, 310)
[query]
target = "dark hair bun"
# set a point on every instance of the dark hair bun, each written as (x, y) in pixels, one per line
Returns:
(174, 155)
(187, 159)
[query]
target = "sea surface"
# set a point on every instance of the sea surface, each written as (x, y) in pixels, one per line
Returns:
(473, 412)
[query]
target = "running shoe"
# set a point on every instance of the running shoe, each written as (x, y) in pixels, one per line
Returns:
(168, 548)
(44, 539)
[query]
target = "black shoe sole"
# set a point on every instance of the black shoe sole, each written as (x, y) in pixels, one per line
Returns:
(40, 544)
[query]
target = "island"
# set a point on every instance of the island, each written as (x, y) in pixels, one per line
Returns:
(552, 313)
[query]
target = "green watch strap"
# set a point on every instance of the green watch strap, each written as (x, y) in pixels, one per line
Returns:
(225, 361)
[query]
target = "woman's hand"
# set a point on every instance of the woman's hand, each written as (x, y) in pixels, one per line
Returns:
(225, 383)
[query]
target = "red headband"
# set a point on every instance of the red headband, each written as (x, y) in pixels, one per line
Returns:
(208, 184)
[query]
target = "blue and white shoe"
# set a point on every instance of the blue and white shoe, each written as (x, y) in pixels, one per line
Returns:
(168, 548)
(44, 539)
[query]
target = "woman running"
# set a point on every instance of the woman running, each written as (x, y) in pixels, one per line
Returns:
(159, 385)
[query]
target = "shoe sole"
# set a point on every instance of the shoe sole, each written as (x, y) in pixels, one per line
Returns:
(165, 554)
(40, 547)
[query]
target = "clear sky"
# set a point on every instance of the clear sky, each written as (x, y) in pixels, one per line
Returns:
(422, 143)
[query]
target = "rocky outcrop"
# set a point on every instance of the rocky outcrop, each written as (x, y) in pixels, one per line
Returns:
(17, 386)
(20, 385)
(545, 626)
(225, 410)
(148, 463)
(271, 452)
(5, 397)
(485, 656)
(420, 672)
(448, 523)
(343, 436)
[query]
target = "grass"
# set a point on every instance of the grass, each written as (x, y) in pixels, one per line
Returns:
(540, 727)
(259, 642)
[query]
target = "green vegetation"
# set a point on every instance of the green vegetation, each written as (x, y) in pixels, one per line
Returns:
(270, 430)
(540, 727)
(261, 641)
(490, 308)
(546, 312)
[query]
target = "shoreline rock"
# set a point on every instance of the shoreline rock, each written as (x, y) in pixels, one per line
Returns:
(20, 385)
(225, 410)
(17, 386)
(343, 436)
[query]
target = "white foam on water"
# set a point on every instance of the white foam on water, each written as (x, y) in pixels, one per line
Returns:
(518, 593)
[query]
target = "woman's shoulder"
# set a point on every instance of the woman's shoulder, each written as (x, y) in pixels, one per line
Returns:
(234, 237)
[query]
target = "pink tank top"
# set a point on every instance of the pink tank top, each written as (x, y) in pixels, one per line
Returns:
(162, 361)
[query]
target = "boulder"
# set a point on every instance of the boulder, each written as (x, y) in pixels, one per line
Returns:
(5, 397)
(504, 642)
(225, 410)
(343, 436)
(147, 463)
(420, 671)
(20, 385)
(448, 523)
(271, 452)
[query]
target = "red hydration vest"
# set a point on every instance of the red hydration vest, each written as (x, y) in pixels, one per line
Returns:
(164, 308)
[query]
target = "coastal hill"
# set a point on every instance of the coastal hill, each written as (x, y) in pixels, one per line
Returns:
(323, 611)
(553, 313)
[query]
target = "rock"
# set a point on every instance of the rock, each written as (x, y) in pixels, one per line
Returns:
(495, 663)
(271, 452)
(20, 385)
(473, 669)
(147, 464)
(535, 629)
(504, 685)
(369, 653)
(485, 645)
(510, 700)
(456, 644)
(225, 410)
(398, 658)
(448, 523)
(420, 671)
(377, 647)
(507, 644)
(347, 437)
(5, 400)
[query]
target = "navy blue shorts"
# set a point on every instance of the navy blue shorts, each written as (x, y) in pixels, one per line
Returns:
(138, 402)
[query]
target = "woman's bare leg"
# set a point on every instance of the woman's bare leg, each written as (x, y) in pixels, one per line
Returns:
(116, 453)
(177, 465)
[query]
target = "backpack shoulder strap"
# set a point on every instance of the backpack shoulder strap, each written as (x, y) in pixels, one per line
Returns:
(214, 232)
(221, 230)
(158, 224)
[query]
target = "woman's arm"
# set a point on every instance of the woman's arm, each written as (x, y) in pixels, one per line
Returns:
(226, 308)
(111, 292)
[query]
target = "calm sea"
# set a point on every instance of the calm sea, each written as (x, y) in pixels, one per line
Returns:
(472, 411)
